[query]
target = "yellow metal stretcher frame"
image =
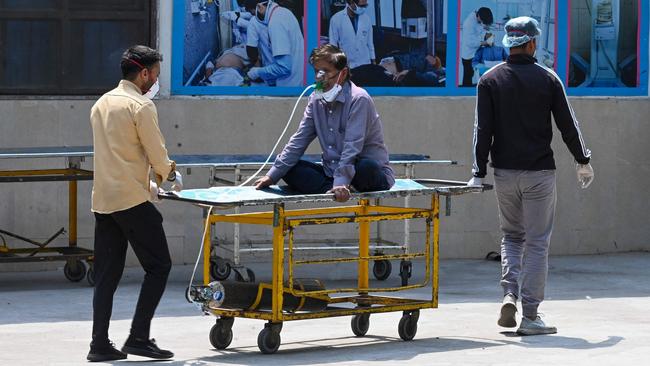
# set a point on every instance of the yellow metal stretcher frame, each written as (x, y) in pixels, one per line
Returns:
(74, 269)
(283, 223)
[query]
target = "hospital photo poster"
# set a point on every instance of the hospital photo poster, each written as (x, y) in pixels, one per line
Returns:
(604, 44)
(481, 30)
(389, 43)
(230, 44)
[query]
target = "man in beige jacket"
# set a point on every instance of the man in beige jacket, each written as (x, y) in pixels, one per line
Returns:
(128, 145)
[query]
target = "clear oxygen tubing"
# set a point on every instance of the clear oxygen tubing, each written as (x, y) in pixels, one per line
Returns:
(207, 219)
(279, 138)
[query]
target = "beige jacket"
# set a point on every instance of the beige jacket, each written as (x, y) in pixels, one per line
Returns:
(127, 143)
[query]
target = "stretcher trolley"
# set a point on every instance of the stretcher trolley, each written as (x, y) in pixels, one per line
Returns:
(234, 169)
(73, 254)
(286, 297)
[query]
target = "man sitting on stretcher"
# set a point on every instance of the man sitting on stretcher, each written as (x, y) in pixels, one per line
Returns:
(344, 119)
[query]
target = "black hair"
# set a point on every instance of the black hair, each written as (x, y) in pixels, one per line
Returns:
(252, 4)
(486, 15)
(136, 58)
(331, 54)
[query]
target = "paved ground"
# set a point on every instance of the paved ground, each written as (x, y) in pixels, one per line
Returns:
(599, 304)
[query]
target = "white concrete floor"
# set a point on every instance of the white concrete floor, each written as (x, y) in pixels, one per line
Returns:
(599, 304)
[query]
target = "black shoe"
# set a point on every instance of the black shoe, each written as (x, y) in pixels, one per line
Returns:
(145, 348)
(104, 352)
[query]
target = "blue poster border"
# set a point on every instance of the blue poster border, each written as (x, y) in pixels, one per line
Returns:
(312, 16)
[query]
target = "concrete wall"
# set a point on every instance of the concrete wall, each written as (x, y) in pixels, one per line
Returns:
(610, 216)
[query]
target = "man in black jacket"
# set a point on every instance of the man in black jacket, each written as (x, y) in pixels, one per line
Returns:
(515, 100)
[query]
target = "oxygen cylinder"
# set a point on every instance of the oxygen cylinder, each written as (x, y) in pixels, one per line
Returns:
(244, 296)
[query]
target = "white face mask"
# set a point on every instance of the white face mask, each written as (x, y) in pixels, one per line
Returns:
(490, 41)
(265, 18)
(153, 90)
(358, 11)
(331, 94)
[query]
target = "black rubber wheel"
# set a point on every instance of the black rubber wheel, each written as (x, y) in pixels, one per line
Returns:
(405, 268)
(220, 336)
(493, 256)
(249, 273)
(408, 326)
(74, 271)
(219, 269)
(268, 340)
(360, 324)
(382, 269)
(188, 294)
(90, 276)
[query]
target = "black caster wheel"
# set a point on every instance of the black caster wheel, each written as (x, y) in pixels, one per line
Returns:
(408, 325)
(221, 333)
(382, 269)
(405, 271)
(74, 270)
(249, 273)
(493, 256)
(90, 276)
(360, 324)
(188, 294)
(268, 340)
(219, 269)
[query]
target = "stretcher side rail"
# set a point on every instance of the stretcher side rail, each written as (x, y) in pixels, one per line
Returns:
(74, 269)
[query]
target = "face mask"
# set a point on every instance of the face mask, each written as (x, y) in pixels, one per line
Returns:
(490, 41)
(358, 11)
(331, 94)
(260, 17)
(153, 90)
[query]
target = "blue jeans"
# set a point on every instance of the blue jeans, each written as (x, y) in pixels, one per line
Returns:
(309, 178)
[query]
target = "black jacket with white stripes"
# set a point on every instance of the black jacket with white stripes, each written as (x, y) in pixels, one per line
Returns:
(514, 103)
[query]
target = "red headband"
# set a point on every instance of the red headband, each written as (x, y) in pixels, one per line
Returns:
(517, 31)
(135, 62)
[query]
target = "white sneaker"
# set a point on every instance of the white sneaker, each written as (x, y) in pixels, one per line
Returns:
(508, 310)
(535, 327)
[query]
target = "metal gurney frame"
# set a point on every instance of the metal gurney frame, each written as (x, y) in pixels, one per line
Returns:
(74, 269)
(222, 266)
(283, 223)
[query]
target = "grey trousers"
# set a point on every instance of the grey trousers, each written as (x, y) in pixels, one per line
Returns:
(526, 211)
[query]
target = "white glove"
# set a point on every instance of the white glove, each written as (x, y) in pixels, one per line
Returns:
(254, 73)
(153, 191)
(585, 174)
(229, 15)
(475, 181)
(177, 184)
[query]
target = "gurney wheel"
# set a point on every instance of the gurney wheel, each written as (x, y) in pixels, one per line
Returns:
(188, 295)
(74, 270)
(360, 324)
(405, 268)
(219, 269)
(269, 340)
(220, 335)
(382, 269)
(90, 276)
(249, 273)
(408, 325)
